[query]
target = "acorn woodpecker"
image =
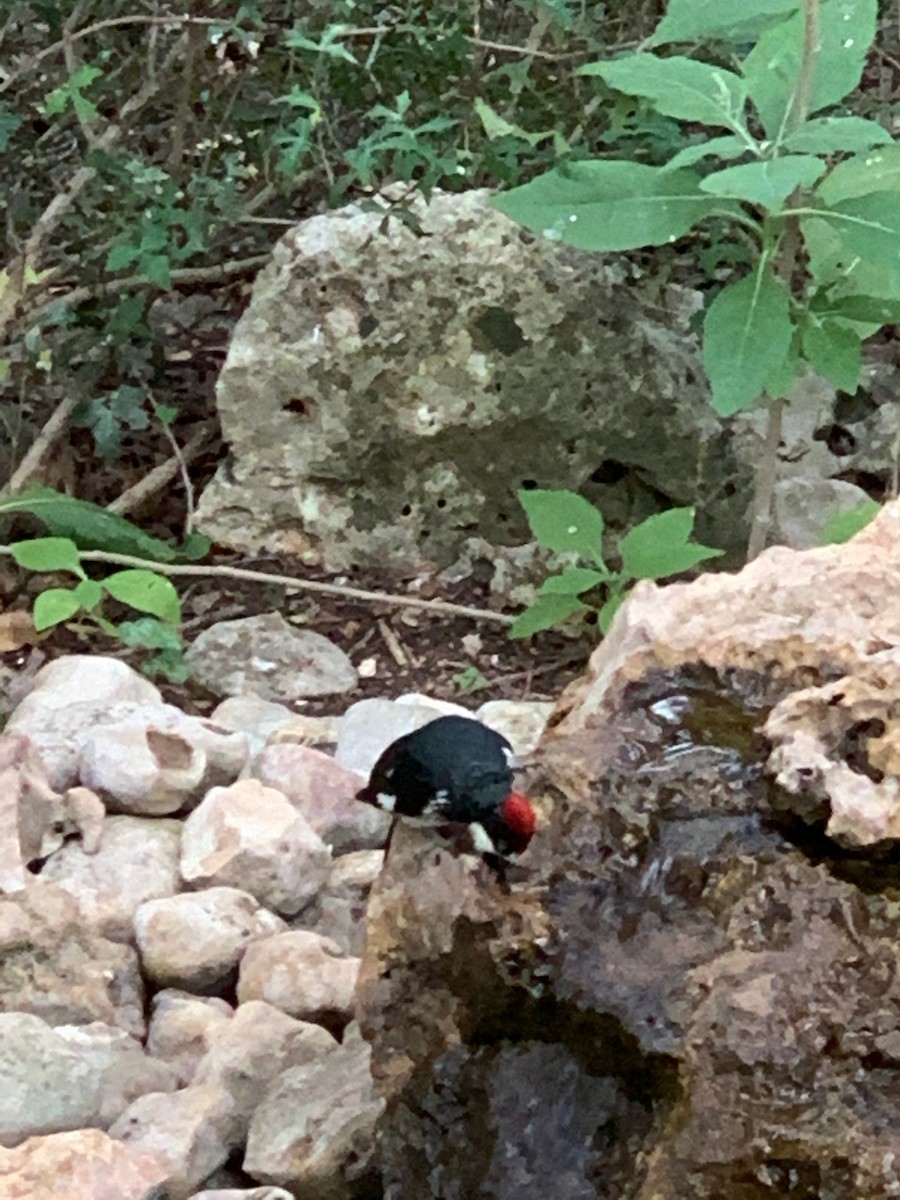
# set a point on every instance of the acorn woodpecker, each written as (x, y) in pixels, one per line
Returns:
(455, 774)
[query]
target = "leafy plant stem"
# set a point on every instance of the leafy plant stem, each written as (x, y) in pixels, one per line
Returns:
(799, 110)
(764, 485)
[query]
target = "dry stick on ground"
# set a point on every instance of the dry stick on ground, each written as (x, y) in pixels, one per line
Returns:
(157, 479)
(292, 583)
(42, 443)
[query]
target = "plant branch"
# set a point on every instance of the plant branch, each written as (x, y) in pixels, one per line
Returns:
(41, 444)
(799, 110)
(764, 485)
(292, 583)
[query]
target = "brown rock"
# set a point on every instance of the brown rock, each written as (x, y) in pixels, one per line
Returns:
(300, 972)
(84, 1165)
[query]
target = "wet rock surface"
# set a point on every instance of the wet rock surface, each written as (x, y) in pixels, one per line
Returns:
(693, 991)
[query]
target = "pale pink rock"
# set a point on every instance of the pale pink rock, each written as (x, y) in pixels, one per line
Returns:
(86, 1164)
(324, 792)
(301, 973)
(182, 1029)
(250, 837)
(190, 1133)
(195, 940)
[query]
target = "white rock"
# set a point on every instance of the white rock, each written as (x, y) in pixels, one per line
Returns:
(137, 860)
(325, 793)
(300, 972)
(85, 1165)
(521, 722)
(69, 1076)
(369, 726)
(194, 940)
(247, 1054)
(250, 837)
(260, 1193)
(61, 735)
(89, 678)
(259, 719)
(269, 657)
(191, 1133)
(442, 708)
(314, 1132)
(303, 730)
(183, 1027)
(141, 769)
(339, 911)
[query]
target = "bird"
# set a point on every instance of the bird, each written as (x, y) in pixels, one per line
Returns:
(456, 775)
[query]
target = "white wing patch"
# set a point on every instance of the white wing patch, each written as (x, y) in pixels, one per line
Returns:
(481, 839)
(436, 804)
(511, 761)
(386, 801)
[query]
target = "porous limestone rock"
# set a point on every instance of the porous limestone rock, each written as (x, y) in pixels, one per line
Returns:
(300, 972)
(392, 384)
(182, 1028)
(688, 988)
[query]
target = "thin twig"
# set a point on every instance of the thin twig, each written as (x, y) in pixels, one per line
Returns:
(182, 466)
(41, 444)
(292, 583)
(766, 475)
(157, 479)
(398, 654)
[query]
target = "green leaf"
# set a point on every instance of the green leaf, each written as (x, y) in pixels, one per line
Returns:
(869, 226)
(843, 526)
(545, 613)
(89, 527)
(768, 183)
(609, 610)
(878, 171)
(496, 126)
(564, 521)
(572, 582)
(837, 269)
(170, 664)
(121, 255)
(156, 269)
(677, 87)
(145, 591)
(780, 379)
(89, 593)
(48, 554)
(54, 606)
(746, 335)
(830, 135)
(835, 352)
(771, 69)
(659, 546)
(9, 123)
(721, 147)
(703, 20)
(871, 309)
(609, 205)
(149, 633)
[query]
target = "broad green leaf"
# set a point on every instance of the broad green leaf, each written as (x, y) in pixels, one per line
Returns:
(53, 607)
(659, 546)
(832, 265)
(572, 582)
(870, 309)
(89, 527)
(771, 69)
(869, 226)
(48, 554)
(9, 123)
(845, 525)
(545, 613)
(147, 592)
(677, 87)
(564, 521)
(780, 379)
(768, 183)
(878, 171)
(831, 135)
(609, 205)
(721, 147)
(835, 352)
(703, 20)
(89, 593)
(170, 664)
(156, 269)
(746, 335)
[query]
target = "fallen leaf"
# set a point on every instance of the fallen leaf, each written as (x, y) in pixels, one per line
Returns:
(17, 630)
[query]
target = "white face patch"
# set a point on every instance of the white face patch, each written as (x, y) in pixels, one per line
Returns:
(386, 801)
(480, 839)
